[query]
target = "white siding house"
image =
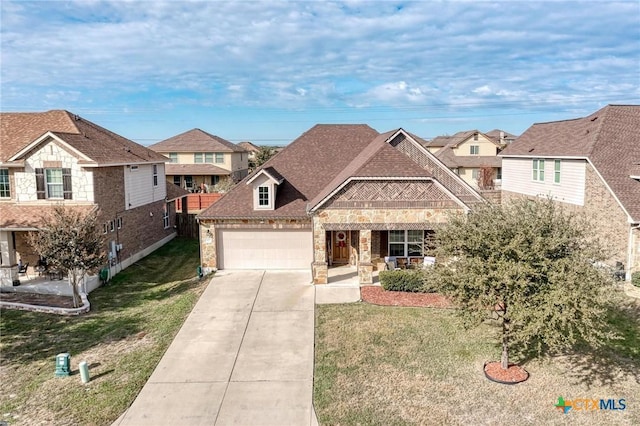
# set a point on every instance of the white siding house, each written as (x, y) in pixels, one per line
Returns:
(563, 179)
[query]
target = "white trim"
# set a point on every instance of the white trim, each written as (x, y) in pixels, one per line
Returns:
(629, 218)
(387, 178)
(264, 172)
(559, 157)
(42, 139)
(442, 165)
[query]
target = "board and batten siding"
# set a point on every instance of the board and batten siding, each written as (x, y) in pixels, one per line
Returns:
(517, 176)
(139, 188)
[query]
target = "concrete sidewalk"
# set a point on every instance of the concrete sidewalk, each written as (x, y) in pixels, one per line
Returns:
(244, 356)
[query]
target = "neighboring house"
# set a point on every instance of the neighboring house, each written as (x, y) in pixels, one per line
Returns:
(199, 158)
(250, 148)
(339, 194)
(470, 152)
(58, 158)
(591, 164)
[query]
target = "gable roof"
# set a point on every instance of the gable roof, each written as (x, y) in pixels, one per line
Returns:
(307, 165)
(451, 160)
(21, 132)
(378, 159)
(195, 140)
(496, 134)
(248, 146)
(609, 139)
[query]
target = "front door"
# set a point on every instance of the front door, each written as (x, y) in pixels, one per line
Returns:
(340, 247)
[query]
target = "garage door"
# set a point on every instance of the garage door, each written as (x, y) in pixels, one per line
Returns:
(265, 249)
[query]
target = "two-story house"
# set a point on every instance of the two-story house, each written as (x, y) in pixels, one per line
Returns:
(58, 158)
(471, 153)
(589, 164)
(200, 160)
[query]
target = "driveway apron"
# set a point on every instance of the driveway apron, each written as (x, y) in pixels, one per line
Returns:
(244, 356)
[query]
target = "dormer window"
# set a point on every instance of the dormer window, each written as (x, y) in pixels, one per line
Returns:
(265, 183)
(263, 196)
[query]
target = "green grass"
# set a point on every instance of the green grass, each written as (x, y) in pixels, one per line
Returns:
(396, 366)
(131, 323)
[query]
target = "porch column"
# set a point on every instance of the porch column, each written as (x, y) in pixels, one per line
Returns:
(365, 267)
(319, 268)
(208, 249)
(8, 269)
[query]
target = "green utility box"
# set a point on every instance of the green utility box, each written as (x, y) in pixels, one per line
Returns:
(63, 365)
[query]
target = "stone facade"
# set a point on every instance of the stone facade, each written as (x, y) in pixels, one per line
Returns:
(209, 228)
(609, 220)
(368, 221)
(49, 154)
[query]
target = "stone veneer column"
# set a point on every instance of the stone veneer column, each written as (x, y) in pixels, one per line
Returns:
(365, 267)
(319, 268)
(208, 255)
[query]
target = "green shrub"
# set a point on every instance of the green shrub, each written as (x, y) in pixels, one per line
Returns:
(635, 279)
(404, 280)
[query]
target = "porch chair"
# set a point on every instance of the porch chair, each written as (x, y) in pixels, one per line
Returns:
(22, 270)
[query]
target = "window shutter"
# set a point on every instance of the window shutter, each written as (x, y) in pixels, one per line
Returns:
(66, 184)
(40, 184)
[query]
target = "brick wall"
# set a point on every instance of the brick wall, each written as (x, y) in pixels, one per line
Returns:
(602, 209)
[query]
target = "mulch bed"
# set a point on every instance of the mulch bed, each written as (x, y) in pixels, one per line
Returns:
(377, 295)
(38, 299)
(512, 375)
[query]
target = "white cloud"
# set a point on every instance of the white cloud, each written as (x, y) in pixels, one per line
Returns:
(281, 54)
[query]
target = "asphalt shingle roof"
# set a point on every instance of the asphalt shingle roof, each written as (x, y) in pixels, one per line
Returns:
(196, 140)
(103, 147)
(609, 138)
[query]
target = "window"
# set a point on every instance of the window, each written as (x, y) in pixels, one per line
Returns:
(208, 157)
(105, 227)
(197, 157)
(474, 149)
(215, 179)
(188, 182)
(406, 243)
(219, 157)
(176, 180)
(499, 173)
(263, 196)
(556, 171)
(5, 187)
(475, 174)
(155, 175)
(119, 222)
(173, 156)
(538, 170)
(165, 217)
(112, 225)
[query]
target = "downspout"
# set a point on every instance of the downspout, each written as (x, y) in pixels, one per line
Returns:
(630, 251)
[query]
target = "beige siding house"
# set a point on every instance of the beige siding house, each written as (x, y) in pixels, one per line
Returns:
(589, 164)
(337, 195)
(200, 160)
(470, 153)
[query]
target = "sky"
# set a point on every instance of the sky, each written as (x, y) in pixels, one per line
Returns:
(267, 71)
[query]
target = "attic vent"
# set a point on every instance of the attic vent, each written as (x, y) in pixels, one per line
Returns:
(397, 140)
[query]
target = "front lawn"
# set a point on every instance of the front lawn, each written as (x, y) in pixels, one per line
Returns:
(379, 365)
(131, 323)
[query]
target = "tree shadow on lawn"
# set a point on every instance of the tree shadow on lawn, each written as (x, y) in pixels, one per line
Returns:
(617, 360)
(30, 336)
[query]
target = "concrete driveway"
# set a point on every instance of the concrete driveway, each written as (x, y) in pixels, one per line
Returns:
(244, 356)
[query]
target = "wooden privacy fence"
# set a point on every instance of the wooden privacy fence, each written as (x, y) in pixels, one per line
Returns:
(197, 202)
(186, 225)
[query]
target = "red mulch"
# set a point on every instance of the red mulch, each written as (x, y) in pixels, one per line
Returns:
(514, 374)
(379, 296)
(38, 299)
